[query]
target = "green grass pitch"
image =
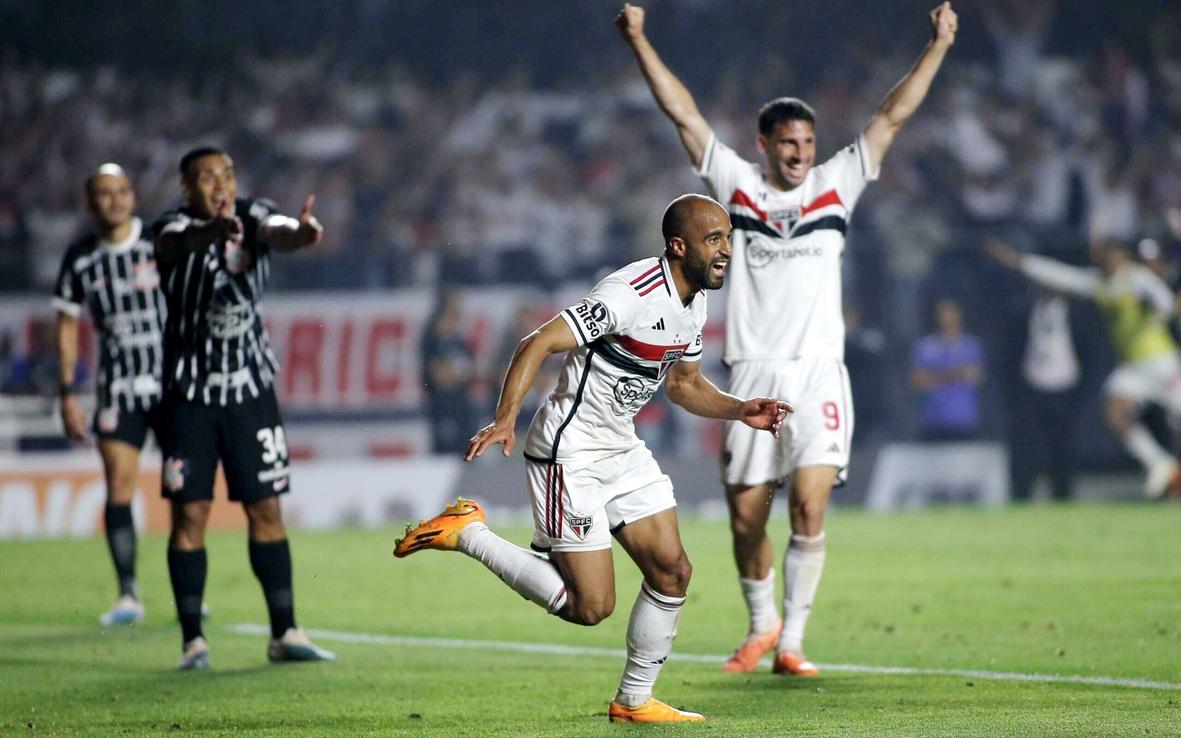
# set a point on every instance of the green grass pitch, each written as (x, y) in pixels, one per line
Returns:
(1087, 590)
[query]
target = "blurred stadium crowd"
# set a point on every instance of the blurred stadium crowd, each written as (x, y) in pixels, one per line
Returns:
(515, 143)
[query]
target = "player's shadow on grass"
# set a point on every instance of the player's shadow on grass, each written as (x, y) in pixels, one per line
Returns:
(90, 635)
(762, 681)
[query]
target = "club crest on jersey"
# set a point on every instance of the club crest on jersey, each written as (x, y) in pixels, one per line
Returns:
(580, 524)
(786, 219)
(671, 357)
(145, 276)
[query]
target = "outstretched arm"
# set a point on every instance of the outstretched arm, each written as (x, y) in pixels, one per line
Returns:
(1048, 273)
(908, 94)
(552, 338)
(291, 234)
(186, 236)
(688, 387)
(672, 96)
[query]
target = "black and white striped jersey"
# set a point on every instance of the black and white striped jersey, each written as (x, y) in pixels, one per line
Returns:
(216, 348)
(119, 284)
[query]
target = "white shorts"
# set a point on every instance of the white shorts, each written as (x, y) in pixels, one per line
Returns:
(1151, 380)
(578, 508)
(816, 434)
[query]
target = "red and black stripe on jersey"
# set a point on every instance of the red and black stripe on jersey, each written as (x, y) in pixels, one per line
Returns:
(216, 348)
(120, 288)
(745, 215)
(651, 280)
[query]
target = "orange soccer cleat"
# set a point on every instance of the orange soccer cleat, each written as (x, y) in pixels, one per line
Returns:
(795, 664)
(746, 656)
(442, 531)
(652, 711)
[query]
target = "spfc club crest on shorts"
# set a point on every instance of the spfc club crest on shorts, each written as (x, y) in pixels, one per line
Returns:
(174, 474)
(580, 524)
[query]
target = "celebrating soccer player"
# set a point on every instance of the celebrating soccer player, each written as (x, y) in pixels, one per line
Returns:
(219, 403)
(1138, 306)
(113, 273)
(589, 475)
(785, 332)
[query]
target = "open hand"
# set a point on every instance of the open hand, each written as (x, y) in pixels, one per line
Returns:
(490, 435)
(765, 413)
(944, 24)
(225, 222)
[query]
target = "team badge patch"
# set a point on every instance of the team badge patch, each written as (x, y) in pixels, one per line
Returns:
(108, 419)
(145, 276)
(580, 524)
(174, 474)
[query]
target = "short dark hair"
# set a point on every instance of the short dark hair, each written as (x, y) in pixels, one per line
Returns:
(784, 110)
(196, 154)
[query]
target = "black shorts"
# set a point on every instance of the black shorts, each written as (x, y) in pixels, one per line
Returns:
(248, 439)
(131, 427)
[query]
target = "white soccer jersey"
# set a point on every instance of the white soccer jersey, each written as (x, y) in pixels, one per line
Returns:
(785, 273)
(631, 329)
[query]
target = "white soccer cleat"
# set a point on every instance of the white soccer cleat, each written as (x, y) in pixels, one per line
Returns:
(1163, 477)
(195, 656)
(126, 611)
(296, 646)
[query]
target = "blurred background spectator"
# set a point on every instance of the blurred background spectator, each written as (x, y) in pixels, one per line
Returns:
(947, 369)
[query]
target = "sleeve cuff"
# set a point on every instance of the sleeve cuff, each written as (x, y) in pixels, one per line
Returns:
(868, 173)
(63, 305)
(707, 156)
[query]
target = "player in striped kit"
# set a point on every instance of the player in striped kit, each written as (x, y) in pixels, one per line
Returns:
(112, 273)
(219, 402)
(785, 330)
(590, 476)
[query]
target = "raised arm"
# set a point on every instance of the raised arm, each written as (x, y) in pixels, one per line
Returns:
(672, 96)
(908, 94)
(291, 234)
(552, 338)
(688, 387)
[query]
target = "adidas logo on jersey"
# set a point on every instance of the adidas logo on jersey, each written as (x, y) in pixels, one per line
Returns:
(834, 449)
(659, 325)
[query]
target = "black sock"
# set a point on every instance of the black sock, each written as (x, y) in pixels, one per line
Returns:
(271, 563)
(121, 542)
(187, 570)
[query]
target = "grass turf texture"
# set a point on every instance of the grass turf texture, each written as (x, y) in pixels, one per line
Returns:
(1083, 590)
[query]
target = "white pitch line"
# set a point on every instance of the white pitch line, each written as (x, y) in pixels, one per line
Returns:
(560, 650)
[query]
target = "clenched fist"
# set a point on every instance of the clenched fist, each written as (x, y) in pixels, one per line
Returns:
(630, 21)
(944, 23)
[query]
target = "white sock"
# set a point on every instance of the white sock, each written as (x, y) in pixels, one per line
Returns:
(803, 564)
(528, 574)
(1143, 446)
(650, 633)
(760, 602)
